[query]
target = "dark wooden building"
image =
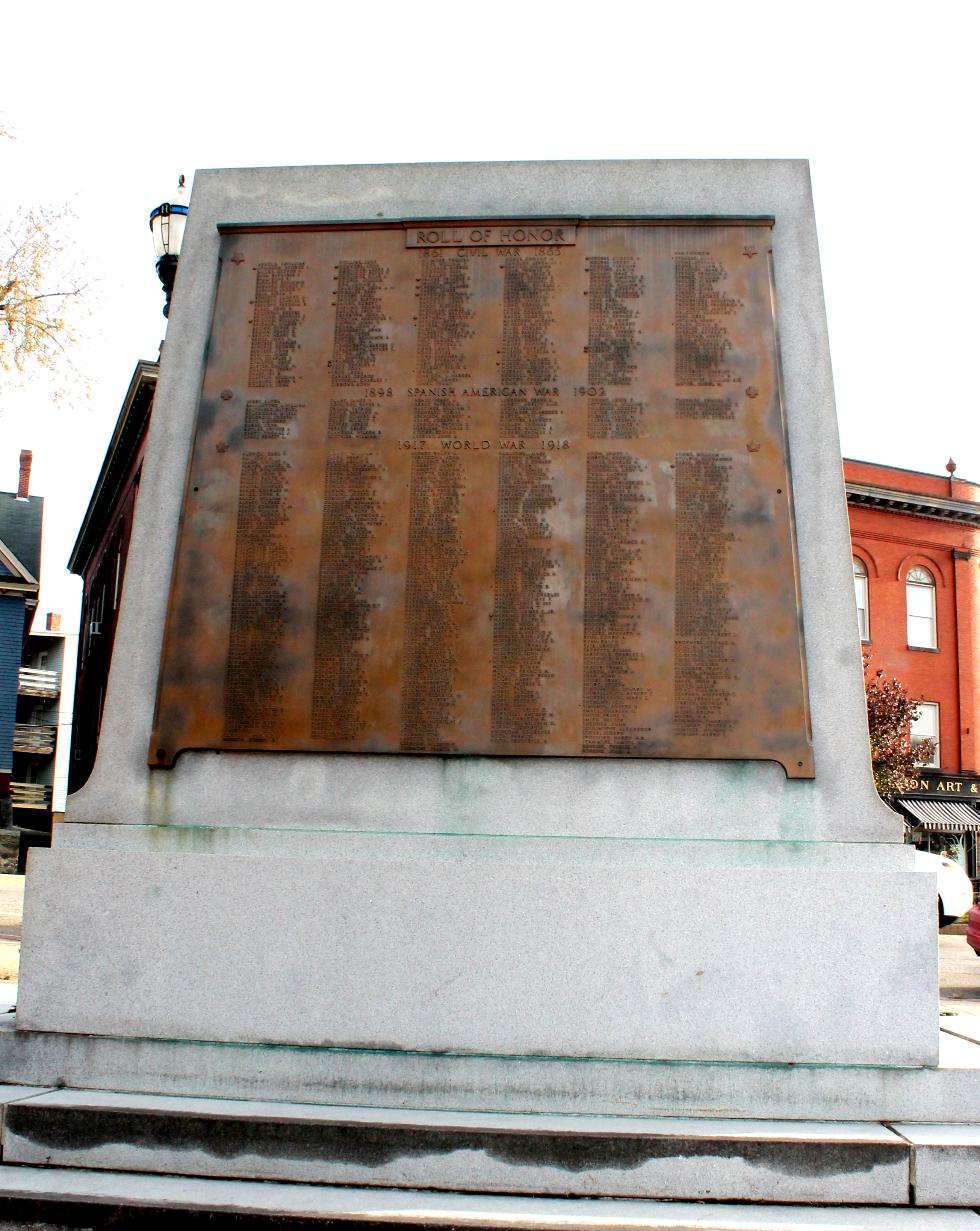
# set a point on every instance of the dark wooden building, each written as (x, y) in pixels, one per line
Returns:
(99, 558)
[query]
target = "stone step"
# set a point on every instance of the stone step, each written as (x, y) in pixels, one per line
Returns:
(151, 1203)
(588, 1156)
(545, 1084)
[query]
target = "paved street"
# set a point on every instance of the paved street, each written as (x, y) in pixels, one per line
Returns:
(11, 909)
(959, 976)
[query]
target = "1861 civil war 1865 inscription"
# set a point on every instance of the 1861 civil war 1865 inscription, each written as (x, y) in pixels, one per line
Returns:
(515, 488)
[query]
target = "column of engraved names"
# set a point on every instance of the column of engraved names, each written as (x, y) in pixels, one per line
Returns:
(351, 515)
(528, 356)
(432, 594)
(704, 618)
(359, 336)
(701, 343)
(270, 419)
(354, 418)
(523, 600)
(277, 313)
(444, 325)
(611, 691)
(614, 284)
(253, 691)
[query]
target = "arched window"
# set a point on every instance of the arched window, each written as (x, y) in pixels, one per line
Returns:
(920, 607)
(861, 596)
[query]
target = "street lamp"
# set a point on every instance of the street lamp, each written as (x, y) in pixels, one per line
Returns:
(167, 225)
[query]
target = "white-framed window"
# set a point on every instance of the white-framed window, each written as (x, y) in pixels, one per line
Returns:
(926, 726)
(920, 607)
(861, 597)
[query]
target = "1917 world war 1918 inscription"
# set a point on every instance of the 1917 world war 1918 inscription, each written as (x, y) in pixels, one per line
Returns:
(516, 488)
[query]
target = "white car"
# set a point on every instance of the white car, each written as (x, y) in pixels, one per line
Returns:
(954, 886)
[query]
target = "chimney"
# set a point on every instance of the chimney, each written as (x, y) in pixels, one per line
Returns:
(53, 622)
(24, 483)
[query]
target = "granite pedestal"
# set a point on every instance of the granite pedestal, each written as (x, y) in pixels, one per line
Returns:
(412, 918)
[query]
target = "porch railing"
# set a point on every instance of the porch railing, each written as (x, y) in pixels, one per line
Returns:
(33, 682)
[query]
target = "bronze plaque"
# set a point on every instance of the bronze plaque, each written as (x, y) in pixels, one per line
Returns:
(490, 486)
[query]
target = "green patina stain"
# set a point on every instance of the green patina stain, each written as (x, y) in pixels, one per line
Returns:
(465, 783)
(188, 839)
(158, 813)
(158, 808)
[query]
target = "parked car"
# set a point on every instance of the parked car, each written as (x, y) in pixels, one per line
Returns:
(954, 886)
(973, 930)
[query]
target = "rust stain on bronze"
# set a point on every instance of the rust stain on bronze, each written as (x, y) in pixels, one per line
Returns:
(483, 488)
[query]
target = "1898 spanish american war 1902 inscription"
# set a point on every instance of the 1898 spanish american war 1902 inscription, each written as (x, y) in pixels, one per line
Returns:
(495, 487)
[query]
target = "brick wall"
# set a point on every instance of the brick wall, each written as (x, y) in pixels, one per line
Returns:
(890, 541)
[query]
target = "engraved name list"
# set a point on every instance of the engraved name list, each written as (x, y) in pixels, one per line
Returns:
(490, 488)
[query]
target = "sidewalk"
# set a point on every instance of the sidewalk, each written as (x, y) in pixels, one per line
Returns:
(11, 913)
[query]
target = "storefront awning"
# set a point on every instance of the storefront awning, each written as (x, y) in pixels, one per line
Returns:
(939, 815)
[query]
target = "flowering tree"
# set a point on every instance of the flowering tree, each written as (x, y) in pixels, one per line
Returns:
(891, 711)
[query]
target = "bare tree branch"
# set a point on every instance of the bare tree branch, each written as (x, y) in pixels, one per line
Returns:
(42, 297)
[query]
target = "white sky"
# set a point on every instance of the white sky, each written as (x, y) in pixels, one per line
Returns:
(109, 102)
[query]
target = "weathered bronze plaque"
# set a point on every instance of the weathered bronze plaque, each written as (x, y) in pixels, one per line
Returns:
(498, 487)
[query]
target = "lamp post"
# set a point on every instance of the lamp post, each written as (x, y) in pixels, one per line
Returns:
(167, 225)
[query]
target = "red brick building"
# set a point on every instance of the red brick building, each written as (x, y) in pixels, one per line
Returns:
(915, 539)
